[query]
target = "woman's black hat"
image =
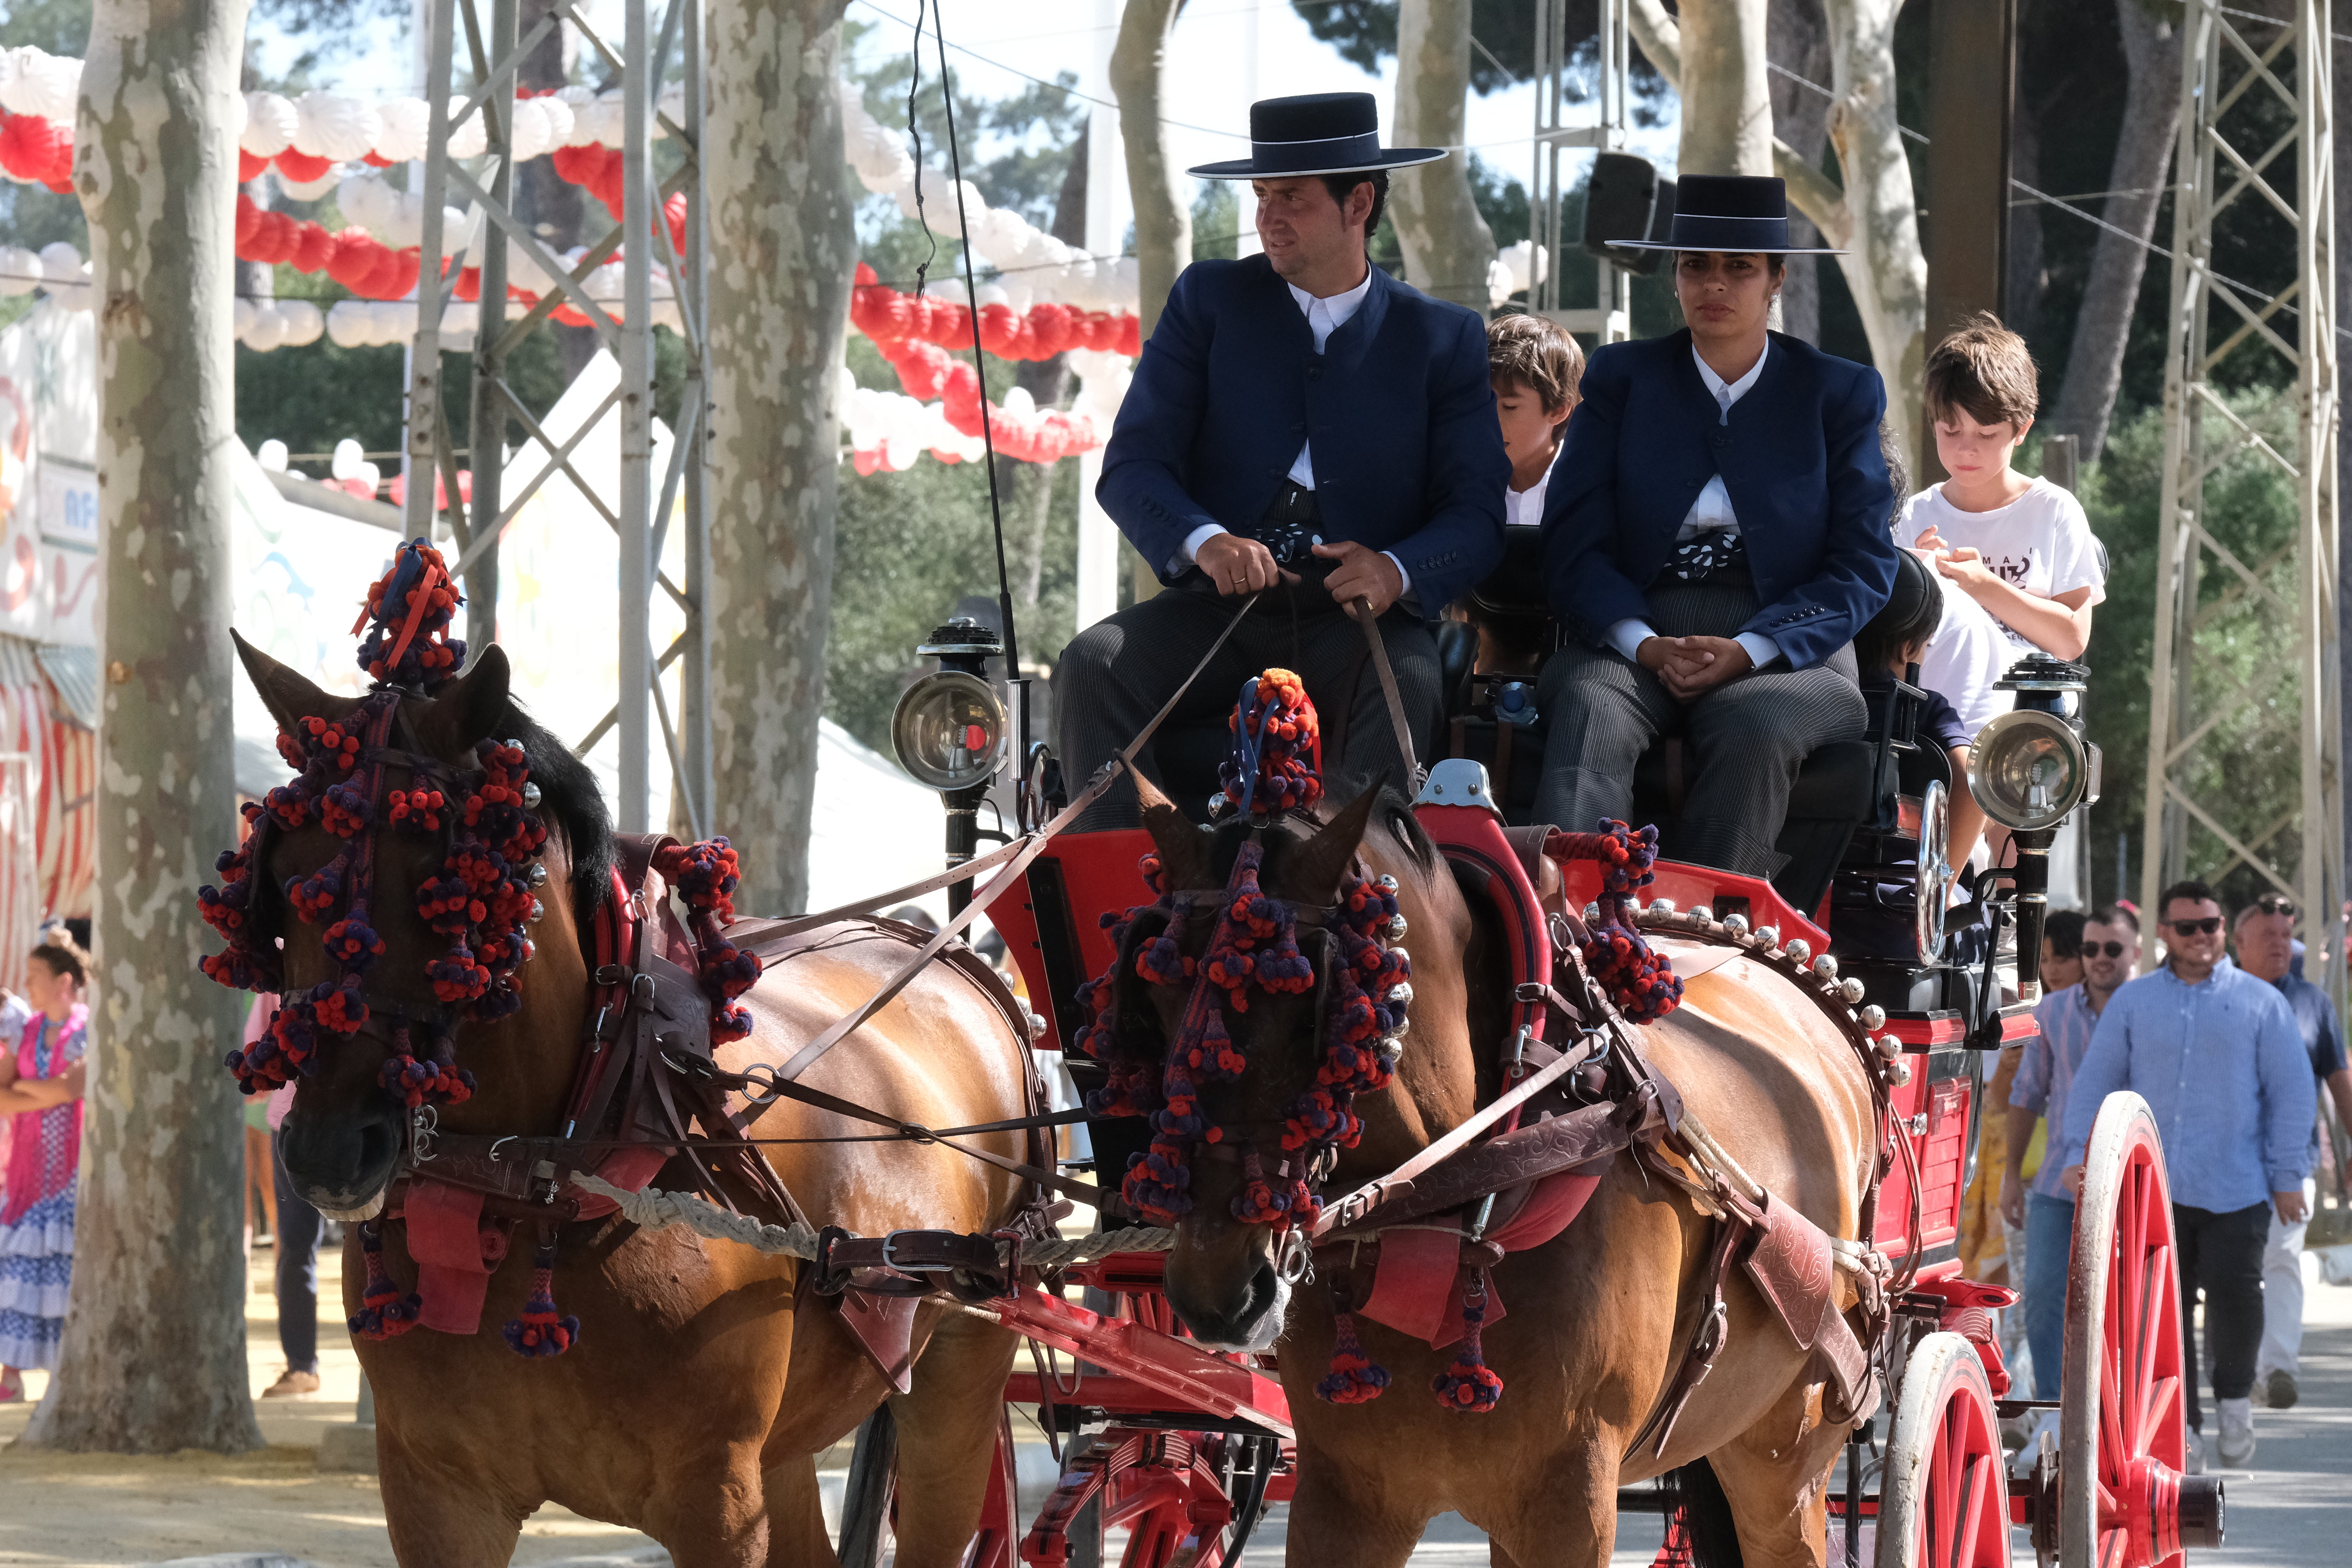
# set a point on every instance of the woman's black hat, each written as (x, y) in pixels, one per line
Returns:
(1734, 213)
(1315, 133)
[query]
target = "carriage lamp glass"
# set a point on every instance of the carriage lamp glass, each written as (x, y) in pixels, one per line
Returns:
(950, 731)
(2028, 769)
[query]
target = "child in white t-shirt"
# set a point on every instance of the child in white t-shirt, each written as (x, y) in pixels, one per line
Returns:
(2019, 547)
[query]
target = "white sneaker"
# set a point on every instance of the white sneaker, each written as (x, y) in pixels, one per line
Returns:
(2195, 1462)
(2237, 1446)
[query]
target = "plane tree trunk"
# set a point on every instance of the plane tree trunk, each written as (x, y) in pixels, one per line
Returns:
(782, 249)
(153, 1357)
(1448, 247)
(1163, 217)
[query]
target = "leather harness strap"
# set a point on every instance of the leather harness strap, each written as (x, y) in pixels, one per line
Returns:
(1361, 609)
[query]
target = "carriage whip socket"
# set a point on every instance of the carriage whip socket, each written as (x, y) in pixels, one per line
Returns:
(1874, 1018)
(1800, 950)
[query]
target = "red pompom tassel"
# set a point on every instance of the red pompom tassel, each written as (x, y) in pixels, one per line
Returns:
(1354, 1378)
(541, 1331)
(1470, 1384)
(387, 1313)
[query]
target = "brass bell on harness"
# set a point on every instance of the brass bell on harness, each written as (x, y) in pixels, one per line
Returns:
(1388, 884)
(1769, 938)
(1825, 966)
(1396, 928)
(1401, 995)
(1389, 1048)
(538, 912)
(1737, 924)
(538, 876)
(1800, 950)
(530, 797)
(1874, 1018)
(1663, 908)
(1898, 1072)
(1852, 989)
(1701, 915)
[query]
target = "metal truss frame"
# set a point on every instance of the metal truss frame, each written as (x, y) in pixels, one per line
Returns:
(1609, 317)
(491, 56)
(2213, 322)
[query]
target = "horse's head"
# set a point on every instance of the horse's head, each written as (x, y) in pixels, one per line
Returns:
(1257, 1058)
(446, 888)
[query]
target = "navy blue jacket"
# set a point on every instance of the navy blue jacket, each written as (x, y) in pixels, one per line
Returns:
(1397, 410)
(1800, 457)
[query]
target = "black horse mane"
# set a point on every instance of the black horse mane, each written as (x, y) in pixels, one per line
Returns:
(568, 793)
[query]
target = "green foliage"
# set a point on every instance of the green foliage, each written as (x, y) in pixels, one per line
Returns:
(1216, 220)
(1502, 201)
(1502, 49)
(2246, 769)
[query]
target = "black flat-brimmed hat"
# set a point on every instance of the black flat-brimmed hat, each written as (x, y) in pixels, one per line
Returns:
(1315, 133)
(1735, 213)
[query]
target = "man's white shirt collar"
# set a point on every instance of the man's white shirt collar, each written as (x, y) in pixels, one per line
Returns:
(1727, 392)
(1327, 315)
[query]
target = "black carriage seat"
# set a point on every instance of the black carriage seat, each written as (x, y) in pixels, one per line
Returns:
(1843, 787)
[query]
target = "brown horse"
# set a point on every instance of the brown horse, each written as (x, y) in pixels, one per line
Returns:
(697, 1397)
(1597, 1318)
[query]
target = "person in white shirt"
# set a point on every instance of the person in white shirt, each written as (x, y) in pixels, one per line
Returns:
(2021, 548)
(1535, 365)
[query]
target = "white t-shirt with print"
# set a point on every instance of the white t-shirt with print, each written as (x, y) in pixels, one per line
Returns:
(2040, 543)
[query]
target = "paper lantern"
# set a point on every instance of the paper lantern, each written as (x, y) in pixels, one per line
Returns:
(314, 246)
(304, 321)
(302, 168)
(330, 126)
(403, 122)
(270, 124)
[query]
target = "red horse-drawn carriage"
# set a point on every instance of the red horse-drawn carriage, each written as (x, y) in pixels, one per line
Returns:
(1183, 1446)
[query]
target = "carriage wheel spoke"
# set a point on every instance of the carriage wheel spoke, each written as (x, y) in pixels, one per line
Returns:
(1970, 1519)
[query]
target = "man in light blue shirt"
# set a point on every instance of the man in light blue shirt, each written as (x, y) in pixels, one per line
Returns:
(2217, 1055)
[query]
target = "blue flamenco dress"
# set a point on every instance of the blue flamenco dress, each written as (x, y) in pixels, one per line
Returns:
(36, 1218)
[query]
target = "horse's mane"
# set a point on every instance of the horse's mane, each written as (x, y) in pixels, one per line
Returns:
(568, 794)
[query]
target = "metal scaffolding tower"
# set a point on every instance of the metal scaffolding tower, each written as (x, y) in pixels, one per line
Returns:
(2254, 163)
(638, 515)
(1609, 317)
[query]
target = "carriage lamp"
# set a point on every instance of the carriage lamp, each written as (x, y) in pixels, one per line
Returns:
(2028, 769)
(950, 731)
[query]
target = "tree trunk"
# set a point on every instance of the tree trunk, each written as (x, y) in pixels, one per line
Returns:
(1163, 217)
(782, 249)
(1727, 126)
(1447, 245)
(2021, 292)
(153, 1358)
(1799, 38)
(1887, 272)
(2095, 364)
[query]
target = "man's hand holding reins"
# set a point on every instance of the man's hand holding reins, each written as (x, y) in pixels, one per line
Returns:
(1238, 566)
(1689, 668)
(1362, 574)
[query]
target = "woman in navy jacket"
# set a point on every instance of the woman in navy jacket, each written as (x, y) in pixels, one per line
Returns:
(1715, 536)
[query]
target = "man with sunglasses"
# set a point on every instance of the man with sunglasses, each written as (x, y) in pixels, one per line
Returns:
(2265, 930)
(2108, 950)
(2216, 1054)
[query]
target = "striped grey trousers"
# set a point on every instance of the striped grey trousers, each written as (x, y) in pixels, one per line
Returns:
(1750, 735)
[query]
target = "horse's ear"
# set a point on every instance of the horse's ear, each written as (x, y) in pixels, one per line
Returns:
(475, 703)
(1183, 848)
(1313, 870)
(289, 698)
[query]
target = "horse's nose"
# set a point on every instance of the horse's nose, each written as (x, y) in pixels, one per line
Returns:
(1237, 1316)
(345, 1159)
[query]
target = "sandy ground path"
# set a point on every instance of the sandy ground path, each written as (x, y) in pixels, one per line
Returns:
(2294, 1508)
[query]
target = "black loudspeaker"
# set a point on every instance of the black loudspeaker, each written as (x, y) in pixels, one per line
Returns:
(1626, 200)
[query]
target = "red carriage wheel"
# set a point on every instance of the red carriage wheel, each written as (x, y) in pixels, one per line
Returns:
(1943, 1497)
(2122, 1500)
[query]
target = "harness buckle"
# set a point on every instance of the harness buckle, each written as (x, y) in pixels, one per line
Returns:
(1293, 1258)
(424, 1123)
(641, 991)
(612, 974)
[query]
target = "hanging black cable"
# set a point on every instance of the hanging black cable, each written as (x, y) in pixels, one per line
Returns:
(979, 366)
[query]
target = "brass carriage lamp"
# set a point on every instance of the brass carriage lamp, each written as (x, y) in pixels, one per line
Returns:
(950, 731)
(2028, 769)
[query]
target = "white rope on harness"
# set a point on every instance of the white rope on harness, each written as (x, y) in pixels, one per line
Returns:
(654, 1209)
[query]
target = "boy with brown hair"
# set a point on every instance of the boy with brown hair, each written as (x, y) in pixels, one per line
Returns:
(1535, 365)
(2020, 547)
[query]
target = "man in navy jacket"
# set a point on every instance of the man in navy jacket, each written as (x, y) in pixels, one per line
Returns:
(1300, 426)
(1716, 536)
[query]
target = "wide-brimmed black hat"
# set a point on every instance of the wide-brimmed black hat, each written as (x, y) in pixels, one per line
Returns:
(1315, 133)
(1730, 213)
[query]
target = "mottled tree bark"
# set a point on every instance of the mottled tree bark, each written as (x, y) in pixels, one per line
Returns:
(1163, 217)
(783, 248)
(1727, 124)
(2095, 363)
(153, 1358)
(1799, 38)
(1447, 245)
